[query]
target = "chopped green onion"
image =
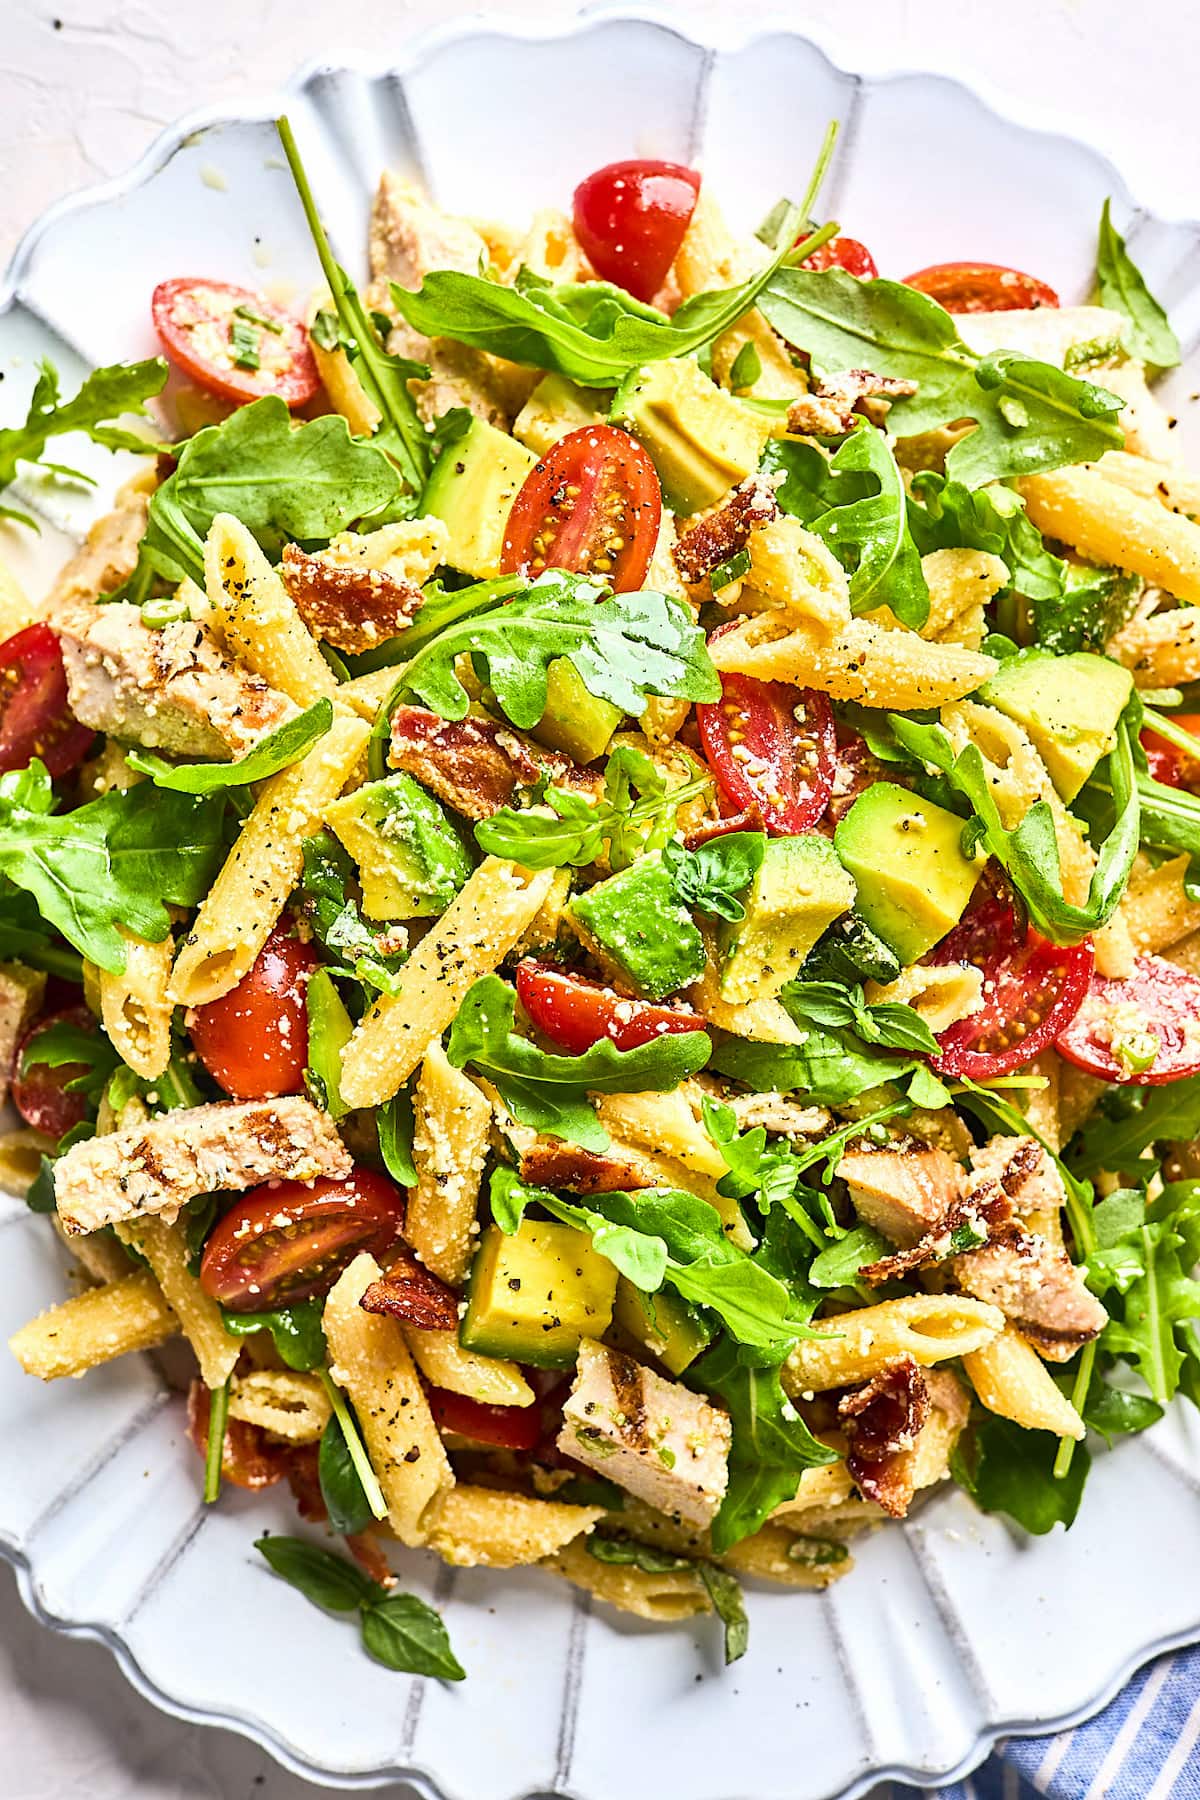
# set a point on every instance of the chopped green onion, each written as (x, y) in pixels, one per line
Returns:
(218, 1415)
(257, 318)
(167, 611)
(729, 571)
(325, 330)
(816, 1553)
(244, 341)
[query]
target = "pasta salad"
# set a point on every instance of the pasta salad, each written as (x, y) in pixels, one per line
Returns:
(599, 897)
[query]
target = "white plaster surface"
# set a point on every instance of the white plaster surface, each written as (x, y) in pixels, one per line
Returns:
(84, 86)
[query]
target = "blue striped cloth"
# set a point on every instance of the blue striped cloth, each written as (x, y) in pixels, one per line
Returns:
(1144, 1746)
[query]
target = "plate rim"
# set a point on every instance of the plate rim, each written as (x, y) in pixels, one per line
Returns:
(265, 103)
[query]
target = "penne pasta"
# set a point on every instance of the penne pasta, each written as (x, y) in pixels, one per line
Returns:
(285, 1403)
(451, 1136)
(1108, 523)
(664, 1598)
(931, 1328)
(94, 1327)
(258, 619)
(165, 1248)
(136, 1008)
(486, 1527)
(865, 662)
(1011, 1379)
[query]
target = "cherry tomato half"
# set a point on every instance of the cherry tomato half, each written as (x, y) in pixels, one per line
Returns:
(843, 253)
(630, 219)
(254, 1039)
(1170, 764)
(591, 504)
(509, 1427)
(771, 746)
(248, 1457)
(971, 287)
(40, 1093)
(577, 1013)
(1142, 1030)
(291, 1239)
(34, 716)
(1031, 989)
(233, 341)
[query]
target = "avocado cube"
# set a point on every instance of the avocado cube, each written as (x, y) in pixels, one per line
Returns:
(799, 890)
(638, 931)
(1068, 705)
(906, 855)
(665, 1324)
(472, 489)
(534, 1296)
(575, 722)
(701, 440)
(411, 861)
(555, 408)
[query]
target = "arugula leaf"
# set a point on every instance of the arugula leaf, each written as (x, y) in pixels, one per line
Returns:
(771, 1447)
(296, 1331)
(60, 1043)
(710, 878)
(623, 647)
(725, 1593)
(855, 503)
(405, 1634)
(336, 920)
(1008, 1469)
(549, 1091)
(1120, 286)
(1029, 415)
(119, 860)
(839, 1265)
(278, 750)
(626, 1552)
(1094, 603)
(343, 1493)
(327, 1580)
(988, 518)
(106, 395)
(1162, 1297)
(830, 1067)
(1114, 1412)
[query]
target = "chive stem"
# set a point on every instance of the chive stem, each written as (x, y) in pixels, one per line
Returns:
(355, 1446)
(218, 1417)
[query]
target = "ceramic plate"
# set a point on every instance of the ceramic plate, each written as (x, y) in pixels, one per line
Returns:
(951, 1630)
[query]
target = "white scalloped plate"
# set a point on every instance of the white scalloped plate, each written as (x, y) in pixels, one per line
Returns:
(952, 1630)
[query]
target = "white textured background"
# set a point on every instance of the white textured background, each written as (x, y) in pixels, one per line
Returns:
(84, 86)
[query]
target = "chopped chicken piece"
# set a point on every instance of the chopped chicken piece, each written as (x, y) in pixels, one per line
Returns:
(882, 1421)
(476, 765)
(968, 1220)
(1022, 1169)
(551, 1163)
(109, 553)
(710, 541)
(780, 1114)
(904, 1188)
(1037, 1287)
(21, 993)
(663, 1443)
(349, 604)
(173, 688)
(228, 1146)
(829, 410)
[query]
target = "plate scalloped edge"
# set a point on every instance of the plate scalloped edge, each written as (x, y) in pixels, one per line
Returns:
(418, 55)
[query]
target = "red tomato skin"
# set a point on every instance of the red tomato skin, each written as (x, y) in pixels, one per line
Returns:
(508, 1427)
(1022, 972)
(181, 308)
(35, 719)
(40, 1096)
(598, 461)
(1169, 763)
(248, 1457)
(793, 761)
(577, 1013)
(630, 219)
(969, 287)
(254, 1040)
(843, 253)
(1165, 1002)
(290, 1240)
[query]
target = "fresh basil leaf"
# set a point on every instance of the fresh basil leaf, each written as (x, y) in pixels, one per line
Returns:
(345, 1499)
(39, 1196)
(297, 1331)
(992, 519)
(710, 879)
(396, 1126)
(106, 395)
(725, 1593)
(889, 1024)
(405, 1634)
(327, 1580)
(549, 1091)
(1008, 1469)
(1120, 287)
(329, 1031)
(278, 750)
(746, 367)
(626, 1552)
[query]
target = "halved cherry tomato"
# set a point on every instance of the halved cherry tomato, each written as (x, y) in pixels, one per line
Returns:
(34, 717)
(248, 1457)
(40, 1092)
(254, 1039)
(233, 341)
(591, 504)
(1032, 989)
(843, 253)
(577, 1013)
(292, 1239)
(857, 768)
(971, 287)
(509, 1427)
(630, 218)
(1142, 1030)
(1170, 764)
(771, 746)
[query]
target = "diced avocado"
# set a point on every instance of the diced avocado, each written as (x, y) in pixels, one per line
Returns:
(533, 1296)
(799, 890)
(905, 853)
(556, 407)
(411, 861)
(638, 931)
(669, 1328)
(701, 440)
(472, 489)
(1069, 705)
(575, 722)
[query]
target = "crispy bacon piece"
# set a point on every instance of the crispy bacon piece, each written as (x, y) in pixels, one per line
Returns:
(882, 1420)
(413, 1294)
(248, 1457)
(985, 1211)
(301, 1474)
(749, 819)
(713, 539)
(367, 1552)
(829, 410)
(349, 605)
(476, 765)
(550, 1163)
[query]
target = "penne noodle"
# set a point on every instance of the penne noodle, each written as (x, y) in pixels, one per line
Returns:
(165, 1248)
(136, 1008)
(1011, 1379)
(94, 1327)
(931, 1328)
(1108, 523)
(258, 619)
(486, 1527)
